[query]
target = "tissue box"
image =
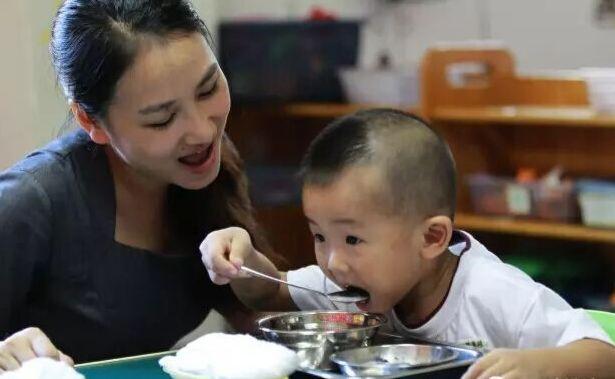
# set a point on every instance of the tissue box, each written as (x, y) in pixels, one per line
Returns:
(597, 201)
(501, 196)
(497, 196)
(555, 202)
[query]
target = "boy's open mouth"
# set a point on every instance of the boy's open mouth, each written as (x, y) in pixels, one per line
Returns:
(363, 302)
(362, 292)
(198, 158)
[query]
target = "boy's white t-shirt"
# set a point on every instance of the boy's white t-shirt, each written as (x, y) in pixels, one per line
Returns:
(490, 304)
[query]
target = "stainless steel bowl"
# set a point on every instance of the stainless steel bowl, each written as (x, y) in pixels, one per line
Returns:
(316, 335)
(391, 359)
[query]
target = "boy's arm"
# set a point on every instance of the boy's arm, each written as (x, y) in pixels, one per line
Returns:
(225, 251)
(580, 349)
(586, 358)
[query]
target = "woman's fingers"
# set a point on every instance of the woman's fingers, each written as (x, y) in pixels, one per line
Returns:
(223, 253)
(221, 270)
(241, 250)
(42, 346)
(25, 345)
(66, 359)
(7, 361)
(19, 345)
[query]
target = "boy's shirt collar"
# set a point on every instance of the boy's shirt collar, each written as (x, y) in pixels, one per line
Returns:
(460, 243)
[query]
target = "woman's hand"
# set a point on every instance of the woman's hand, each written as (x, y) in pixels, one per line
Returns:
(27, 344)
(224, 252)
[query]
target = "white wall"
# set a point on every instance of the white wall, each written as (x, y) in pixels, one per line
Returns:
(50, 108)
(406, 29)
(32, 108)
(552, 33)
(294, 9)
(17, 97)
(543, 34)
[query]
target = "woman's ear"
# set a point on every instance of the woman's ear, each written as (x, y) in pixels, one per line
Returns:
(437, 233)
(91, 126)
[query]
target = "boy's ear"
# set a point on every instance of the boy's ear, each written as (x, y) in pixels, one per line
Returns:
(437, 234)
(91, 126)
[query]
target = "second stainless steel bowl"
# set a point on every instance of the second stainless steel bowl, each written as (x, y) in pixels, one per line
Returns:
(391, 359)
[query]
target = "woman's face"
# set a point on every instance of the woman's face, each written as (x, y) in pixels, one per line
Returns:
(167, 117)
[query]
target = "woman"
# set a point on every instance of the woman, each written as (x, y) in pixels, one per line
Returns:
(99, 231)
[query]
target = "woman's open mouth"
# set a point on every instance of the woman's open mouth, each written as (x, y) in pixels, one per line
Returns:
(199, 161)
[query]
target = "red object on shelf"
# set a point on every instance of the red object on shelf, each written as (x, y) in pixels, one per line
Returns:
(321, 14)
(526, 175)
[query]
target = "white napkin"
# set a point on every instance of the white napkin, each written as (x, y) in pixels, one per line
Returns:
(43, 368)
(233, 356)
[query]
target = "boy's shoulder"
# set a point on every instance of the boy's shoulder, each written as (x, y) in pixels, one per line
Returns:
(488, 281)
(500, 306)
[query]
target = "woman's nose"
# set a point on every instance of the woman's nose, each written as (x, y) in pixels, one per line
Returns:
(200, 129)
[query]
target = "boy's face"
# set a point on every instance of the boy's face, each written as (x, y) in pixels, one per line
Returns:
(357, 243)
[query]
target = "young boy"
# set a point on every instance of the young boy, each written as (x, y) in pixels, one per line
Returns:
(379, 197)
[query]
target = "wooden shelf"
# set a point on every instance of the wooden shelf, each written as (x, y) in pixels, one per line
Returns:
(534, 228)
(517, 115)
(322, 110)
(526, 115)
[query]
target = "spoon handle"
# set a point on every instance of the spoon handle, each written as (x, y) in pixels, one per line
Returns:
(268, 277)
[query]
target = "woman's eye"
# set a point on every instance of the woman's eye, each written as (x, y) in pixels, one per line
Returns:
(163, 124)
(209, 92)
(352, 240)
(319, 238)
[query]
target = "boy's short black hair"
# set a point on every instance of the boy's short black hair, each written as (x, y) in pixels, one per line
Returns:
(418, 167)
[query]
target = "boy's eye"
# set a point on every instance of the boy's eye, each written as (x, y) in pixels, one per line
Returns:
(319, 237)
(352, 240)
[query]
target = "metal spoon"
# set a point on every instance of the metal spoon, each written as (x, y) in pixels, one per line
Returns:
(349, 295)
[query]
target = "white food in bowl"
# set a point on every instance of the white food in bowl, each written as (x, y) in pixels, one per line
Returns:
(230, 356)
